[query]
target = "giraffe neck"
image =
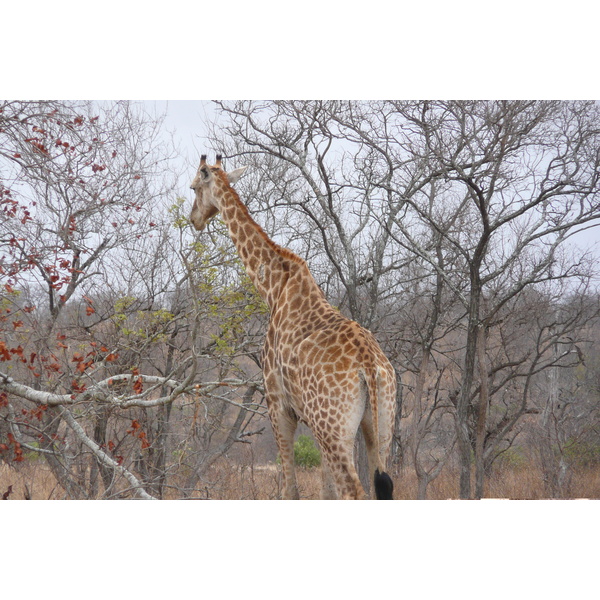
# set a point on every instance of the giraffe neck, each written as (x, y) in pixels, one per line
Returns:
(268, 265)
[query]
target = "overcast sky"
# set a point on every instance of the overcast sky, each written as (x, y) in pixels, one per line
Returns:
(186, 120)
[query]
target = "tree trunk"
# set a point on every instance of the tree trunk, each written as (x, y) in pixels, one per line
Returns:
(58, 463)
(464, 399)
(99, 437)
(397, 455)
(481, 413)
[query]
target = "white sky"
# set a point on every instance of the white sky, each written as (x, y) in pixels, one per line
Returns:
(186, 119)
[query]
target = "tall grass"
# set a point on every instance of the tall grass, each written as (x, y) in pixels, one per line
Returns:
(227, 481)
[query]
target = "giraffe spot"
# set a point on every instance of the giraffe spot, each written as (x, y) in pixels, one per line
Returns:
(343, 364)
(328, 368)
(296, 303)
(335, 354)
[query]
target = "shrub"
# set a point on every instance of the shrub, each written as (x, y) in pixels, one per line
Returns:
(582, 453)
(512, 458)
(306, 453)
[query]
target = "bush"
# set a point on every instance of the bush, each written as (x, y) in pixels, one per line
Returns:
(306, 453)
(582, 453)
(512, 458)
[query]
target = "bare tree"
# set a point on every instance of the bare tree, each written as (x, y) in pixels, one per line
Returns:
(486, 196)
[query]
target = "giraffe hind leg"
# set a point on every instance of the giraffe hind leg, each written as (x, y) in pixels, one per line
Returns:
(284, 426)
(340, 462)
(328, 487)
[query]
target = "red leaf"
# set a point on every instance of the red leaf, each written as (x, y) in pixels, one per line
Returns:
(4, 352)
(77, 387)
(138, 386)
(18, 351)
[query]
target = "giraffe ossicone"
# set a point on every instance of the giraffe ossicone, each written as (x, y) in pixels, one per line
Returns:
(319, 367)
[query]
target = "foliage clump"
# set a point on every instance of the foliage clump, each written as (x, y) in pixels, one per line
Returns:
(582, 453)
(306, 453)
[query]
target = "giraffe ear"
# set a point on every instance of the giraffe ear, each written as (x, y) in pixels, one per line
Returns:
(234, 175)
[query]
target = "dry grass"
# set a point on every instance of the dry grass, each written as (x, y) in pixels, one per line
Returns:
(257, 483)
(32, 481)
(262, 482)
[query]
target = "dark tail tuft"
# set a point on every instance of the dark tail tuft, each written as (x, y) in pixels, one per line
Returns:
(384, 486)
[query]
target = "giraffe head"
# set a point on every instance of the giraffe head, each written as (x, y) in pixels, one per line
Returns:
(209, 185)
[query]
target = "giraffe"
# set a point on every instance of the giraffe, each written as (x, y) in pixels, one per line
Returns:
(319, 367)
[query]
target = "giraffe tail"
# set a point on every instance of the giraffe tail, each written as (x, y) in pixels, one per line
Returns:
(384, 487)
